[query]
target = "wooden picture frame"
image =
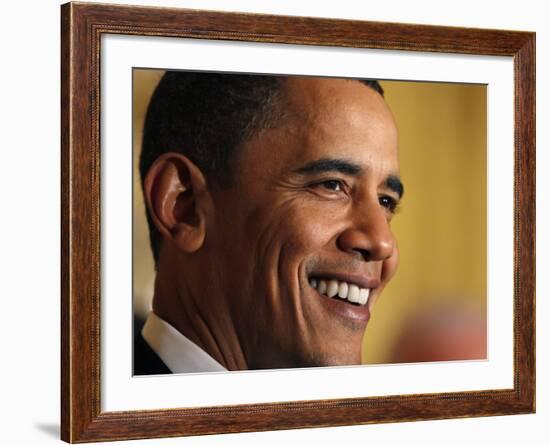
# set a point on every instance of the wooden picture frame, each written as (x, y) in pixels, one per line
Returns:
(82, 26)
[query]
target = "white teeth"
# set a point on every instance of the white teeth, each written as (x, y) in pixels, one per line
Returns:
(351, 292)
(332, 288)
(363, 296)
(343, 290)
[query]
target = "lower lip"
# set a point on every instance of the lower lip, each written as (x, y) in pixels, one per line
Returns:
(358, 313)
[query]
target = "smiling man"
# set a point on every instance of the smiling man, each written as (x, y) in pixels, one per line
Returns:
(269, 202)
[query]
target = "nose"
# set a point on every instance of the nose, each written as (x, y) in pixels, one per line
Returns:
(369, 236)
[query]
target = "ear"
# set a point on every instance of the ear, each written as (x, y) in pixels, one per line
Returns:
(174, 190)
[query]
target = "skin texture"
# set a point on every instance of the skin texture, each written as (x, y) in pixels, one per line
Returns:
(311, 199)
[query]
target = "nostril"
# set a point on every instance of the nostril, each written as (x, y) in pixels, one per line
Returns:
(363, 253)
(372, 242)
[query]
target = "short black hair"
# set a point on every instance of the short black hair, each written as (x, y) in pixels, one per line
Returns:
(207, 117)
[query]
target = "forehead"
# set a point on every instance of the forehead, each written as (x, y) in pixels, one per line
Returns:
(317, 97)
(324, 117)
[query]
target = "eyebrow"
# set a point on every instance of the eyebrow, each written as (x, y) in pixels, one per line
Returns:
(330, 164)
(394, 183)
(348, 168)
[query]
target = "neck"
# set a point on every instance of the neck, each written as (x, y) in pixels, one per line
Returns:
(202, 320)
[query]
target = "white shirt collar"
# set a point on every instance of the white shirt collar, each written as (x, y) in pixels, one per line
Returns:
(177, 352)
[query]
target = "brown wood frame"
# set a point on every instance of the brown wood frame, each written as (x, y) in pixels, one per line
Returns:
(82, 25)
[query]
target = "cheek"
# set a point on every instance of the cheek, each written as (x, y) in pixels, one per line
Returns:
(389, 267)
(293, 224)
(305, 231)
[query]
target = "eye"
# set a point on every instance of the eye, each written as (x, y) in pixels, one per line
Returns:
(330, 188)
(332, 185)
(388, 202)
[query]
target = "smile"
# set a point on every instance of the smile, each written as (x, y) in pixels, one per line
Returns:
(342, 290)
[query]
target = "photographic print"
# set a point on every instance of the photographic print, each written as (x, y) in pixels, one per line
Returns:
(276, 222)
(429, 284)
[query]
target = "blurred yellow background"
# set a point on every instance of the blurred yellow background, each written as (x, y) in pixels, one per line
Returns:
(440, 287)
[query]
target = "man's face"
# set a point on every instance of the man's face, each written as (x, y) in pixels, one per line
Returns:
(309, 213)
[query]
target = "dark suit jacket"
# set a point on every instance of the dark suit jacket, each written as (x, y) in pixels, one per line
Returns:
(146, 361)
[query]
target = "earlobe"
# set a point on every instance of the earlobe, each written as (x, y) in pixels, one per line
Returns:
(174, 193)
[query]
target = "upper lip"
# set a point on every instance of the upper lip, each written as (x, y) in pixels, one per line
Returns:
(361, 281)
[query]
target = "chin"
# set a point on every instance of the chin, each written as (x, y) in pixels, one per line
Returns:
(330, 358)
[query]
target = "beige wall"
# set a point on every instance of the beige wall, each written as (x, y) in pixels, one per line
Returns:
(144, 83)
(441, 228)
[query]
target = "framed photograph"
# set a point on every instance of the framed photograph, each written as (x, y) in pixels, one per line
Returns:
(239, 190)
